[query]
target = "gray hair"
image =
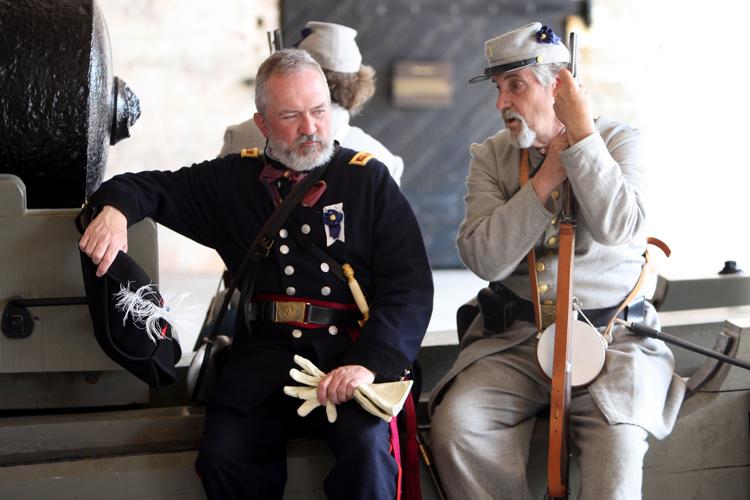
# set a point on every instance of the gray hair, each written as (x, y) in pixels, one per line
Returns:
(282, 62)
(546, 74)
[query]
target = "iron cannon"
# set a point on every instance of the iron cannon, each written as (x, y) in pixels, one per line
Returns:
(61, 107)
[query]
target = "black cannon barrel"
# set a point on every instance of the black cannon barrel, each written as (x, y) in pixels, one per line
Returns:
(60, 106)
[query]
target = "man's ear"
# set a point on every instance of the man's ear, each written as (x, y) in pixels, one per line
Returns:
(260, 122)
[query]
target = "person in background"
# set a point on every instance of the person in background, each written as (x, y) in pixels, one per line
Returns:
(351, 84)
(484, 409)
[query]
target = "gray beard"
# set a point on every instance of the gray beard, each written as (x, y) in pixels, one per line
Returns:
(526, 136)
(300, 162)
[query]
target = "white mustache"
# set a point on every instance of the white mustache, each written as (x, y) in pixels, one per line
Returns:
(510, 114)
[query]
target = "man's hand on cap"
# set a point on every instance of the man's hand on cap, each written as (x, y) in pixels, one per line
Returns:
(105, 237)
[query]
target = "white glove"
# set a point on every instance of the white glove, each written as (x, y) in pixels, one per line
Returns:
(388, 397)
(383, 400)
(310, 376)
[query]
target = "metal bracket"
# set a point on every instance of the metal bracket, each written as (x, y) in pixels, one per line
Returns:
(17, 322)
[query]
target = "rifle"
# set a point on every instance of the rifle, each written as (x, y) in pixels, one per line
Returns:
(558, 455)
(275, 41)
(647, 331)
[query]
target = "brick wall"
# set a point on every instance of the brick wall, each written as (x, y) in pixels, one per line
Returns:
(188, 61)
(667, 67)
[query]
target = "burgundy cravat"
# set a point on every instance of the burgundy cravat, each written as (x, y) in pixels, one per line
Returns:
(279, 180)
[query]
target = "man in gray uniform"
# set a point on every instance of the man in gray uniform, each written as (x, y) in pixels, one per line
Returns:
(485, 407)
(351, 83)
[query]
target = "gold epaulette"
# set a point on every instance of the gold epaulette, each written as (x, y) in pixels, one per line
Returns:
(361, 158)
(249, 153)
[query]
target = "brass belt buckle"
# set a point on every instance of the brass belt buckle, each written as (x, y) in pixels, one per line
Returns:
(548, 315)
(289, 312)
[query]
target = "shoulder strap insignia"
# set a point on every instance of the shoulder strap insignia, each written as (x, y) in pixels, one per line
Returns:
(361, 158)
(249, 153)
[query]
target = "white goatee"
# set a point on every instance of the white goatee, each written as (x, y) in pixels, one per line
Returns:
(526, 136)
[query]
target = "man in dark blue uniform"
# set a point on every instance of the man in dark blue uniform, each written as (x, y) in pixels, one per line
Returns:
(358, 215)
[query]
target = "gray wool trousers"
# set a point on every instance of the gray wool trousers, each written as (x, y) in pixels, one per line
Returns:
(482, 428)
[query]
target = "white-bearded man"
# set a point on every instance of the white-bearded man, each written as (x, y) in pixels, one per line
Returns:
(484, 409)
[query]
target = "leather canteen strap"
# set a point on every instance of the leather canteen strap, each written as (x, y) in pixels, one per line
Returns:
(638, 284)
(531, 256)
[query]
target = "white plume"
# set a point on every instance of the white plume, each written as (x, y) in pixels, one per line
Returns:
(146, 314)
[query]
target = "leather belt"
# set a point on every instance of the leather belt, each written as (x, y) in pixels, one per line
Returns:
(598, 317)
(300, 312)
